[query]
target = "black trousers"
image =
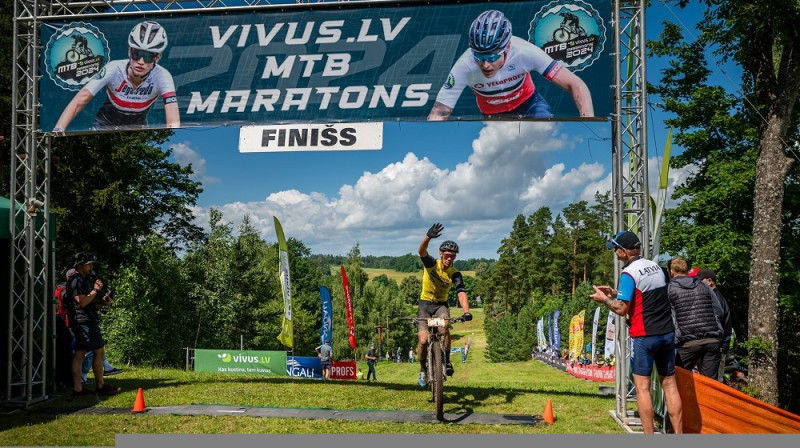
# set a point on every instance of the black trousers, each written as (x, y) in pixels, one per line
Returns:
(706, 357)
(371, 371)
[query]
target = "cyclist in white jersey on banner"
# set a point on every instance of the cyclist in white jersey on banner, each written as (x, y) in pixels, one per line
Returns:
(497, 68)
(132, 85)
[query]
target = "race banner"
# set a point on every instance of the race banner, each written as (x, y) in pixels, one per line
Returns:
(330, 63)
(550, 329)
(304, 367)
(343, 370)
(348, 303)
(326, 331)
(311, 137)
(556, 331)
(594, 333)
(286, 337)
(609, 347)
(249, 362)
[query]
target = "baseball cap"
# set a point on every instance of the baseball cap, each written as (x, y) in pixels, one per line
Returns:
(707, 273)
(693, 272)
(624, 240)
(372, 344)
(84, 258)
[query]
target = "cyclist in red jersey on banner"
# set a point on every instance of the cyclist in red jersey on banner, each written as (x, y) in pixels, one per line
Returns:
(132, 85)
(497, 68)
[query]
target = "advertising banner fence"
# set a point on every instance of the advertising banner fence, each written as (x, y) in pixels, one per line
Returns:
(343, 370)
(304, 367)
(248, 362)
(328, 64)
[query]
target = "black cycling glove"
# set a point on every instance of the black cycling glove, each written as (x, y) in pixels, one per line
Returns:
(435, 231)
(467, 317)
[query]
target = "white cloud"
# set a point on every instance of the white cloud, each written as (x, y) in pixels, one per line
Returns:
(185, 155)
(387, 212)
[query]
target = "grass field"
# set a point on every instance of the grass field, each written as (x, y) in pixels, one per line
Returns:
(477, 386)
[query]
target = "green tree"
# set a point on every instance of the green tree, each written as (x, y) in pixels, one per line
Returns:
(111, 191)
(150, 319)
(720, 130)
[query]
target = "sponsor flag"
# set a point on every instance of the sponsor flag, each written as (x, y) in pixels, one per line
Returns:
(594, 333)
(579, 332)
(327, 315)
(556, 332)
(609, 348)
(348, 302)
(550, 328)
(286, 337)
(539, 334)
(573, 325)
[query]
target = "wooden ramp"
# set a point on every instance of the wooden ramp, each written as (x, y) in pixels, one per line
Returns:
(711, 407)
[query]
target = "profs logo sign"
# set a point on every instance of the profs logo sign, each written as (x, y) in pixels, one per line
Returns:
(74, 54)
(571, 31)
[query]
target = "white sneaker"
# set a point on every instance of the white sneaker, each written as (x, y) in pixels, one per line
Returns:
(421, 381)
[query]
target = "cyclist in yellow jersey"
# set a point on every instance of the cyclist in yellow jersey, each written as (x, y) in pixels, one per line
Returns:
(437, 279)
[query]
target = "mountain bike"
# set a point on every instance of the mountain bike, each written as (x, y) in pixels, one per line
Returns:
(79, 53)
(564, 33)
(437, 357)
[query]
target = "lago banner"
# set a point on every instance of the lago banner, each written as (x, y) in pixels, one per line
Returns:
(249, 362)
(326, 64)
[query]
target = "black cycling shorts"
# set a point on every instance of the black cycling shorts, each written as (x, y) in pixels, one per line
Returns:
(429, 308)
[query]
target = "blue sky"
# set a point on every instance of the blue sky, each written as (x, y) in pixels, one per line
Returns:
(475, 178)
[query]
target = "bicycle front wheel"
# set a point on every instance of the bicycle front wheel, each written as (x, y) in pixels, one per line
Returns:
(560, 35)
(438, 380)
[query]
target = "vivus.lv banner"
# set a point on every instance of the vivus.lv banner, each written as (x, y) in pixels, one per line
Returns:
(525, 60)
(248, 362)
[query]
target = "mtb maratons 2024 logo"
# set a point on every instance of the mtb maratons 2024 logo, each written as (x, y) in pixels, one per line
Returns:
(74, 54)
(569, 30)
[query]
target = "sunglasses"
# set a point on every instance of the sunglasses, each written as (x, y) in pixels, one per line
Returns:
(141, 54)
(491, 57)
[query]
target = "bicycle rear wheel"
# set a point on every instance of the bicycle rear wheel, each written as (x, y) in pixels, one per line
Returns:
(437, 380)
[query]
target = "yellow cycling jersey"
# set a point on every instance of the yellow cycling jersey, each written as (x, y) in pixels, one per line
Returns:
(437, 282)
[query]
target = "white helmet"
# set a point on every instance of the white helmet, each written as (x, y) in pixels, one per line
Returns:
(148, 36)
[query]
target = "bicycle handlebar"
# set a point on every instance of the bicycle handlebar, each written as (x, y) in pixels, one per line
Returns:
(415, 320)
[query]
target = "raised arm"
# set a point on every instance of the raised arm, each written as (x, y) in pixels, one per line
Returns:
(434, 232)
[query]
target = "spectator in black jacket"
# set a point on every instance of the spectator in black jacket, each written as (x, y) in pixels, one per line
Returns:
(698, 331)
(723, 314)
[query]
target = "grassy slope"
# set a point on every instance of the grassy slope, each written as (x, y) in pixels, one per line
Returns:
(477, 386)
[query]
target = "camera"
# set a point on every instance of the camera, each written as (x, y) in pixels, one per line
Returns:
(109, 295)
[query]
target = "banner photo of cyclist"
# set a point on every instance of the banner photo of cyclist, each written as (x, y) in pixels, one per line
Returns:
(329, 63)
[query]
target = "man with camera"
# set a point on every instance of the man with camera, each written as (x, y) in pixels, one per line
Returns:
(83, 296)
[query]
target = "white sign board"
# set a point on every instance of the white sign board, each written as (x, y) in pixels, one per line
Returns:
(311, 137)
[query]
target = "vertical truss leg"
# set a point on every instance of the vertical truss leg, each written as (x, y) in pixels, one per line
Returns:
(629, 165)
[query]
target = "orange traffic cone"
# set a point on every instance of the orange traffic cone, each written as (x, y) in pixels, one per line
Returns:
(548, 412)
(138, 405)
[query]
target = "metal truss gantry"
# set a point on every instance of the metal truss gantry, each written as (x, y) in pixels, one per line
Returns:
(630, 191)
(29, 377)
(30, 358)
